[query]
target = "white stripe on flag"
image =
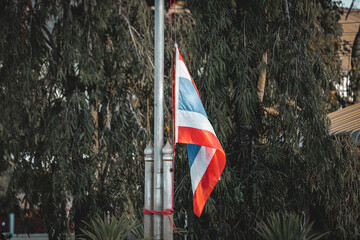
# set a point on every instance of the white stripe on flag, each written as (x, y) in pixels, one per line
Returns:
(200, 164)
(181, 70)
(193, 120)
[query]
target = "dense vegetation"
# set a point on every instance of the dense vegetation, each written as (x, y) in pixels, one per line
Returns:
(76, 80)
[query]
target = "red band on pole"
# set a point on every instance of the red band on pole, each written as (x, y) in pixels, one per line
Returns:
(166, 212)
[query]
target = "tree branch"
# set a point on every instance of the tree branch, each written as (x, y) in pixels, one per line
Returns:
(132, 36)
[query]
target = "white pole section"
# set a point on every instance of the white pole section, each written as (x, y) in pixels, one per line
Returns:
(159, 114)
(168, 189)
(148, 189)
(12, 225)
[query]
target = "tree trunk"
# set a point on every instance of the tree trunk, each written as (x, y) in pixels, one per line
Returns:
(95, 116)
(262, 78)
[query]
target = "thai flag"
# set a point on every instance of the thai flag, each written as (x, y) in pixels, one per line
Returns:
(206, 156)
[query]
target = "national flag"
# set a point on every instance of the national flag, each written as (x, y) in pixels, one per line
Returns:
(206, 156)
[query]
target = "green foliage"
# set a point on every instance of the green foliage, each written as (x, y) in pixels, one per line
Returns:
(286, 226)
(76, 111)
(276, 149)
(75, 80)
(339, 175)
(118, 229)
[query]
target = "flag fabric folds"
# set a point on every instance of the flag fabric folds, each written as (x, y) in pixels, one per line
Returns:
(206, 156)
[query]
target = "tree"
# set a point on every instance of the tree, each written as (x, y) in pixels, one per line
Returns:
(73, 125)
(279, 154)
(76, 99)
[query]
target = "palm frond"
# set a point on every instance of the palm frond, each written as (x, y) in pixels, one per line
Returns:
(286, 226)
(117, 229)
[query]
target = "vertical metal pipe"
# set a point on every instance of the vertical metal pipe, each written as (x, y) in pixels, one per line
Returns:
(159, 113)
(12, 225)
(168, 190)
(148, 189)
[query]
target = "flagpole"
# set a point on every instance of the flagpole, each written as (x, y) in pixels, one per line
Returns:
(159, 115)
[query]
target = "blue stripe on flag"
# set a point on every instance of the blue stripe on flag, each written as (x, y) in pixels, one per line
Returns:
(193, 150)
(188, 97)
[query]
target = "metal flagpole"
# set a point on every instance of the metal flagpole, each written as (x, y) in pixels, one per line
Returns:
(159, 115)
(148, 189)
(168, 185)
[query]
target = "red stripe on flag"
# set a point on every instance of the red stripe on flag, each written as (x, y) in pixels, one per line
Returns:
(181, 58)
(199, 137)
(208, 181)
